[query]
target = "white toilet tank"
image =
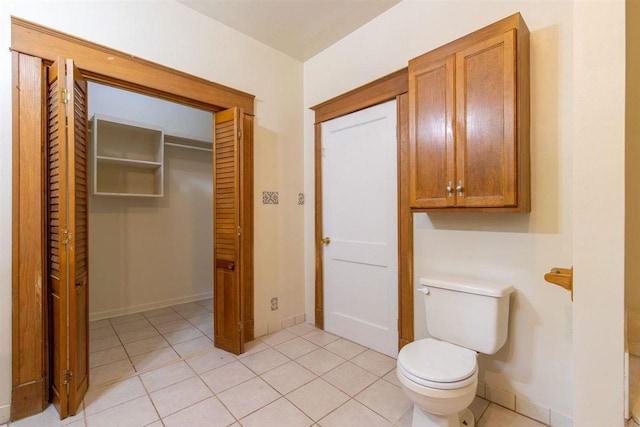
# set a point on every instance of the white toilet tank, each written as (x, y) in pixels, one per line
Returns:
(470, 313)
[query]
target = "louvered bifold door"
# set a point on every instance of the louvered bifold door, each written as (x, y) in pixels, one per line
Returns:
(227, 286)
(67, 237)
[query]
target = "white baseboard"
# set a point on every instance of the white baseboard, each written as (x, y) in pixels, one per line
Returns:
(5, 414)
(533, 410)
(310, 318)
(500, 397)
(480, 391)
(560, 420)
(523, 406)
(107, 314)
(285, 323)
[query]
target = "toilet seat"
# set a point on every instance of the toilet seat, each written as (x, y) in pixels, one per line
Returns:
(438, 364)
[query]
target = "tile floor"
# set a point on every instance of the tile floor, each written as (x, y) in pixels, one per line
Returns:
(159, 368)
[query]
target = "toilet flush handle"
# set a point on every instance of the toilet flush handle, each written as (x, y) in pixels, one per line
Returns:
(424, 290)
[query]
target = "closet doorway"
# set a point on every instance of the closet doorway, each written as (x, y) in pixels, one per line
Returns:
(50, 333)
(150, 233)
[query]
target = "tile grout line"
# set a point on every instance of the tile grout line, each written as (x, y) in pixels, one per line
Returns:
(266, 382)
(148, 393)
(215, 395)
(150, 369)
(323, 379)
(130, 357)
(256, 375)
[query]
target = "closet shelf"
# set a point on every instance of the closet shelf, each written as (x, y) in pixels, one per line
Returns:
(103, 193)
(183, 141)
(127, 157)
(143, 164)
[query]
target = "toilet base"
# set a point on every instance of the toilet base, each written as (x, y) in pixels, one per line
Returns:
(466, 418)
(423, 419)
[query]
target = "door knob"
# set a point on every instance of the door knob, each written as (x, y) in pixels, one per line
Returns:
(326, 240)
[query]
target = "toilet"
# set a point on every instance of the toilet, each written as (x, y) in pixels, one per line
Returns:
(440, 374)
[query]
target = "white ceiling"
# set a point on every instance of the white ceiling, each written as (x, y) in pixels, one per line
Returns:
(299, 28)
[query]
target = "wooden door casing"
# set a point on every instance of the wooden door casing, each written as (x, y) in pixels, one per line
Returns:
(32, 46)
(392, 86)
(246, 237)
(29, 326)
(67, 230)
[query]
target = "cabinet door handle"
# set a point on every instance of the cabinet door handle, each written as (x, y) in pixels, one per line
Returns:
(449, 189)
(459, 188)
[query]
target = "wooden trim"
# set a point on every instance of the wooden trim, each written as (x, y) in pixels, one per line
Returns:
(319, 288)
(384, 89)
(29, 359)
(29, 399)
(15, 212)
(31, 42)
(405, 228)
(492, 30)
(105, 65)
(247, 225)
(523, 113)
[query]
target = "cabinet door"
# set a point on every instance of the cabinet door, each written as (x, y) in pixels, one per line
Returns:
(486, 128)
(431, 141)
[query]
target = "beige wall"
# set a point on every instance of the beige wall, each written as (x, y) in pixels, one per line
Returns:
(598, 213)
(149, 253)
(537, 363)
(173, 35)
(632, 266)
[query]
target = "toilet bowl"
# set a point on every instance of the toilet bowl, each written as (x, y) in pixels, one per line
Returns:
(440, 374)
(442, 387)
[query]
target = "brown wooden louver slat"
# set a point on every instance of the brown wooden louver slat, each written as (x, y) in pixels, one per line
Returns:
(226, 202)
(67, 234)
(228, 297)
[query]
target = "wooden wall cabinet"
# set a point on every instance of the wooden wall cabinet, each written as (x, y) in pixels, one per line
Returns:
(469, 122)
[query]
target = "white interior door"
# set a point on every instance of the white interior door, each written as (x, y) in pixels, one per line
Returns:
(360, 208)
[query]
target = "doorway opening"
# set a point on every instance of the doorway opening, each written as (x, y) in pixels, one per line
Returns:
(391, 87)
(360, 223)
(38, 97)
(150, 232)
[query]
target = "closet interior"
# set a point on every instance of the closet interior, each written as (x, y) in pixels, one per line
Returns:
(150, 232)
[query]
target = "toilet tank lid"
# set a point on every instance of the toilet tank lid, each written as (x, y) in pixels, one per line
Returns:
(471, 286)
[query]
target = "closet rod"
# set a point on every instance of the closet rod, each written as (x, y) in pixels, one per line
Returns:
(188, 146)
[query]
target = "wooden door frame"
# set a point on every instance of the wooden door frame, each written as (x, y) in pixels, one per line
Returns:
(387, 88)
(34, 46)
